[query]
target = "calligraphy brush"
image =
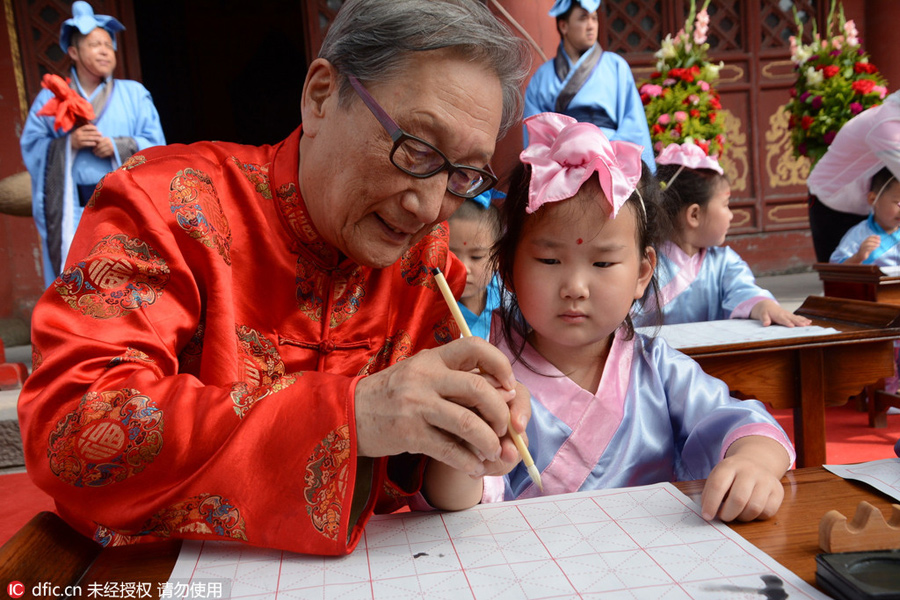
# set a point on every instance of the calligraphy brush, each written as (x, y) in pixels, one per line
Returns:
(464, 328)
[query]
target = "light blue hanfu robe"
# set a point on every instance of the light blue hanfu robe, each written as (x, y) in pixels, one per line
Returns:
(656, 417)
(480, 325)
(608, 98)
(127, 116)
(887, 254)
(712, 285)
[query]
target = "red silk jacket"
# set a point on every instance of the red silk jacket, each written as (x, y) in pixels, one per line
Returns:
(195, 363)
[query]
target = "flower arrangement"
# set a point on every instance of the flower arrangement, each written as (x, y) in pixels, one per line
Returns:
(680, 99)
(835, 82)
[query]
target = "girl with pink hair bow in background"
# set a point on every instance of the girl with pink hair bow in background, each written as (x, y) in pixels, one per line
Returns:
(610, 408)
(701, 280)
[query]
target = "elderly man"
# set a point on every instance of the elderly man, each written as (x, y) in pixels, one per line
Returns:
(247, 343)
(66, 165)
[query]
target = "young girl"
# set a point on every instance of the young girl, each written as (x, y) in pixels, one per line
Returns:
(610, 408)
(474, 228)
(875, 240)
(701, 280)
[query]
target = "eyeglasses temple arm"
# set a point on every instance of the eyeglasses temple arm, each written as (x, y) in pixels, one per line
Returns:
(385, 119)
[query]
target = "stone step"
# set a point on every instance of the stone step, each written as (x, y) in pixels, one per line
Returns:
(10, 438)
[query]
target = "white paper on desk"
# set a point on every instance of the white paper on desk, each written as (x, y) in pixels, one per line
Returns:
(647, 542)
(729, 331)
(883, 475)
(891, 271)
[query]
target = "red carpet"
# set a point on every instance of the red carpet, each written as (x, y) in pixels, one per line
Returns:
(850, 440)
(21, 501)
(849, 437)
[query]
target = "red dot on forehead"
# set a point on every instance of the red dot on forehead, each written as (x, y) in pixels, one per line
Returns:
(579, 241)
(465, 243)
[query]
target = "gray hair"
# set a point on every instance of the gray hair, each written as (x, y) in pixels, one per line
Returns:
(372, 39)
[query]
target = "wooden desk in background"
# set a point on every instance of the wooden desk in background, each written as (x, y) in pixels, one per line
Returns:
(48, 550)
(807, 374)
(859, 282)
(874, 284)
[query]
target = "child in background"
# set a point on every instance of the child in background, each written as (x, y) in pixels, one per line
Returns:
(701, 280)
(875, 240)
(610, 408)
(474, 228)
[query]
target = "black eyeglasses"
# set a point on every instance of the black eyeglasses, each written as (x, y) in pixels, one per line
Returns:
(414, 156)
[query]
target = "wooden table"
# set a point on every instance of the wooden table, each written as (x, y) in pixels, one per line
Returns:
(47, 550)
(871, 283)
(859, 282)
(807, 374)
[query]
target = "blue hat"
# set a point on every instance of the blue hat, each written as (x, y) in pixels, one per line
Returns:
(85, 21)
(484, 198)
(561, 6)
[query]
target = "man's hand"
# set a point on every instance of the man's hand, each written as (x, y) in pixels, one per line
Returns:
(452, 403)
(86, 136)
(104, 147)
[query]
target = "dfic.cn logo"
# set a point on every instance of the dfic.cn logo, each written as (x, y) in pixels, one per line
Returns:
(15, 589)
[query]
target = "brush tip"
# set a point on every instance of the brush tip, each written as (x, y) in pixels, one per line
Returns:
(435, 271)
(535, 476)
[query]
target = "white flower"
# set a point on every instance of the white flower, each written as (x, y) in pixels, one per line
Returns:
(813, 77)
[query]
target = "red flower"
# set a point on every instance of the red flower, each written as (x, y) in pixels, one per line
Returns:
(806, 122)
(861, 67)
(703, 146)
(694, 112)
(645, 99)
(67, 106)
(830, 71)
(712, 117)
(683, 74)
(655, 74)
(657, 129)
(714, 102)
(862, 86)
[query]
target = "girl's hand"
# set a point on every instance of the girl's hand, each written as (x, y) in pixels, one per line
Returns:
(769, 311)
(746, 484)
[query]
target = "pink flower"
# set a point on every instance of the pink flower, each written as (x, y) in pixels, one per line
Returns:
(668, 82)
(704, 86)
(855, 108)
(694, 99)
(880, 90)
(658, 146)
(681, 116)
(664, 119)
(701, 28)
(851, 32)
(651, 89)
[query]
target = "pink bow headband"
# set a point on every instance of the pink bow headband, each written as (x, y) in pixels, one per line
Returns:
(564, 153)
(689, 156)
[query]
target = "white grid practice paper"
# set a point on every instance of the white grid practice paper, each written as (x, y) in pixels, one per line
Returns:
(729, 331)
(883, 475)
(644, 542)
